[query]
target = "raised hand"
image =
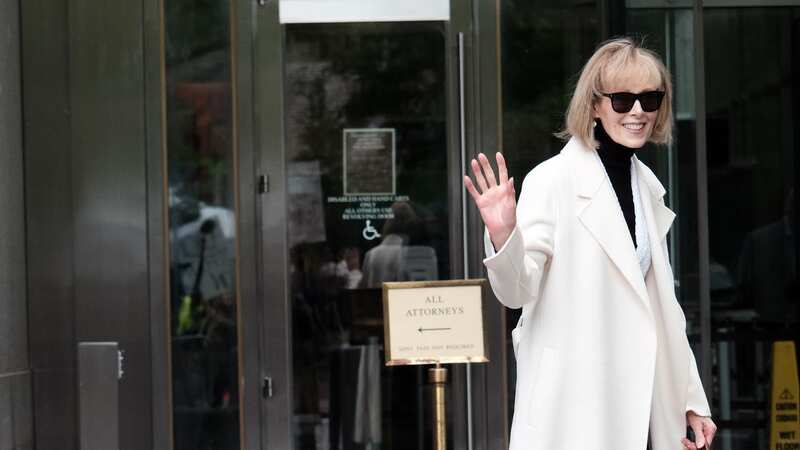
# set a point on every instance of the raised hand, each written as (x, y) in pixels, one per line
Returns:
(496, 200)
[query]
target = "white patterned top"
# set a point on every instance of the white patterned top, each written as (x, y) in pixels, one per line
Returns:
(642, 238)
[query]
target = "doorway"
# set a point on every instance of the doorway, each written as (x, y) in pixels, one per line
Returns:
(366, 149)
(357, 147)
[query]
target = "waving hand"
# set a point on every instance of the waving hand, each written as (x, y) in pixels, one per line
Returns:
(494, 198)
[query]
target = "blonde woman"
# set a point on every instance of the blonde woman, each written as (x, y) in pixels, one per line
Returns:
(603, 361)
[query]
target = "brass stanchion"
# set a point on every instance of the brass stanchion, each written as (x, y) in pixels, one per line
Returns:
(437, 377)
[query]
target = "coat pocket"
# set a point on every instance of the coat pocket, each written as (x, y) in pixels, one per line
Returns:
(544, 391)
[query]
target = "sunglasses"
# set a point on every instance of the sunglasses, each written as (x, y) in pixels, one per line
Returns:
(622, 102)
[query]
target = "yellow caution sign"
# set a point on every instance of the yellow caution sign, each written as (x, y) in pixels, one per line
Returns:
(784, 421)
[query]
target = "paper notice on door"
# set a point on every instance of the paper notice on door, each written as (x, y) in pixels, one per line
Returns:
(333, 11)
(305, 202)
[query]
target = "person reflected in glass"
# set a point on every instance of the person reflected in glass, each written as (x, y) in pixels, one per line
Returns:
(399, 257)
(349, 267)
(767, 271)
(603, 360)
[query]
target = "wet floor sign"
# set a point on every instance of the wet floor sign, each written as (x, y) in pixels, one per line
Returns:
(784, 422)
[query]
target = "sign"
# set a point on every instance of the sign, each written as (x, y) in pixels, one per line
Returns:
(369, 232)
(332, 11)
(434, 322)
(367, 207)
(368, 161)
(784, 421)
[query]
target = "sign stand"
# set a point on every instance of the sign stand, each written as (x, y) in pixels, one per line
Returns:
(435, 322)
(437, 377)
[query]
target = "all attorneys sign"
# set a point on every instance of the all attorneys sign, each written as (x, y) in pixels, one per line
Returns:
(434, 322)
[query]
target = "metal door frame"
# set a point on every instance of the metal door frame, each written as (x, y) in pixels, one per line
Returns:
(260, 59)
(158, 213)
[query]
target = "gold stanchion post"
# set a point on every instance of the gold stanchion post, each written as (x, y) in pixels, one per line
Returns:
(437, 377)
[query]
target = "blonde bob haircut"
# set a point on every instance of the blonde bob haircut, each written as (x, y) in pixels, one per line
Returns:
(614, 62)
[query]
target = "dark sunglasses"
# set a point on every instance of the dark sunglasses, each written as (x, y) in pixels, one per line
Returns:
(622, 102)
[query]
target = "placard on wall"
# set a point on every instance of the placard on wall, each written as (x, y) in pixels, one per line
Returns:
(434, 322)
(369, 161)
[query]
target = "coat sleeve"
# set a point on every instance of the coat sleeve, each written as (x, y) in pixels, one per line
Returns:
(696, 396)
(515, 271)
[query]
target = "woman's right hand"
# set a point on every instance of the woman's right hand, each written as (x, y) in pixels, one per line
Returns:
(496, 200)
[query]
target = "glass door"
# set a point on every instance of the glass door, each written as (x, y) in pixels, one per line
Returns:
(366, 148)
(753, 113)
(362, 97)
(751, 139)
(206, 343)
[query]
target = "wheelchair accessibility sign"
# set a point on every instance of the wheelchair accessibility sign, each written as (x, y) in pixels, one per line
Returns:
(369, 232)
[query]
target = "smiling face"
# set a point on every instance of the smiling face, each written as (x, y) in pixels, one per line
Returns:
(634, 128)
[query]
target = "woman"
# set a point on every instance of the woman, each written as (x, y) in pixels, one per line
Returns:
(603, 361)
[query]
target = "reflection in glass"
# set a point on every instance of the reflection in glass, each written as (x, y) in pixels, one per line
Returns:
(202, 228)
(752, 120)
(544, 47)
(367, 181)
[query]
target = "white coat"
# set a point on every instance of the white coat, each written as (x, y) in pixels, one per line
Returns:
(602, 353)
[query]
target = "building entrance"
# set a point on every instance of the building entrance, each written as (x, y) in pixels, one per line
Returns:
(309, 161)
(358, 132)
(229, 183)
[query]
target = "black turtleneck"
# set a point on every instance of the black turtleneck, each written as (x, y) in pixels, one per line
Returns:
(617, 161)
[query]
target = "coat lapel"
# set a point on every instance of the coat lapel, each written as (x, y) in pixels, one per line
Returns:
(599, 211)
(659, 220)
(653, 200)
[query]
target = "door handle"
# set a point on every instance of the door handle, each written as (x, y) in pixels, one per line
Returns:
(463, 145)
(266, 387)
(462, 120)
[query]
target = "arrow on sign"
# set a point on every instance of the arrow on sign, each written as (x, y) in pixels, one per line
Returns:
(433, 329)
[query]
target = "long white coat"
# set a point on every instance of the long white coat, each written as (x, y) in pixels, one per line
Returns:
(602, 353)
